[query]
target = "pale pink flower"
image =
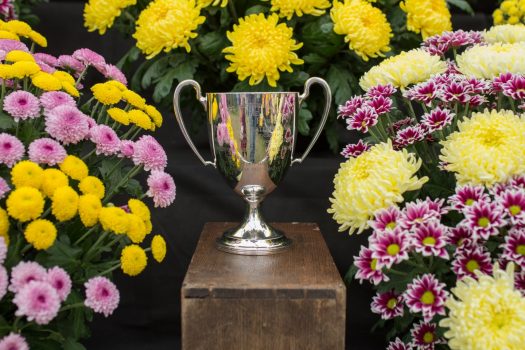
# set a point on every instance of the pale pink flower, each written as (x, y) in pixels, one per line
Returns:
(46, 151)
(48, 59)
(59, 279)
(67, 124)
(52, 99)
(222, 134)
(38, 301)
(127, 149)
(102, 295)
(113, 72)
(353, 150)
(427, 295)
(149, 152)
(25, 272)
(4, 281)
(8, 45)
(161, 188)
(89, 58)
(11, 149)
(22, 105)
(13, 341)
(4, 188)
(67, 61)
(106, 140)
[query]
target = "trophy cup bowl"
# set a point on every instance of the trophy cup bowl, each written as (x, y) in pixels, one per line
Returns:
(252, 137)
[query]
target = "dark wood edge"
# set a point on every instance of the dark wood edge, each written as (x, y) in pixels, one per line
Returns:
(281, 293)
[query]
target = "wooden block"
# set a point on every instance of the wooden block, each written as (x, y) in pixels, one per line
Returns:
(291, 300)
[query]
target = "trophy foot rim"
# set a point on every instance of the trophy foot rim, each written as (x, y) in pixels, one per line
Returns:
(243, 246)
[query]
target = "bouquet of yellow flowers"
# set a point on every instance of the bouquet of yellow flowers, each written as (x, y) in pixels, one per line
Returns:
(69, 155)
(440, 181)
(253, 45)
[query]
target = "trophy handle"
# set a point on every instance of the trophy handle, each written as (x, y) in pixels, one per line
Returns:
(178, 115)
(328, 99)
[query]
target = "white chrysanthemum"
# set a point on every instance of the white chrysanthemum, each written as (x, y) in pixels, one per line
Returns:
(488, 62)
(506, 33)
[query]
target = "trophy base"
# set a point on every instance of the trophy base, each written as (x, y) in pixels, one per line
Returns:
(244, 241)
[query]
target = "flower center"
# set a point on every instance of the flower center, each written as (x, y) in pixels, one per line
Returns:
(469, 202)
(428, 337)
(22, 101)
(514, 210)
(391, 225)
(501, 319)
(7, 145)
(391, 304)
(429, 241)
(393, 249)
(373, 264)
(520, 249)
(41, 298)
(472, 265)
(104, 292)
(428, 298)
(491, 138)
(483, 221)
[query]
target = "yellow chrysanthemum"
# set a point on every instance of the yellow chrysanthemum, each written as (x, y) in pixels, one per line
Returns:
(64, 77)
(506, 33)
(287, 8)
(488, 148)
(206, 3)
(510, 12)
(133, 260)
(488, 62)
(374, 180)
(46, 81)
(114, 219)
(74, 167)
(37, 38)
(4, 226)
(106, 94)
(158, 248)
(261, 47)
(4, 34)
(119, 115)
(53, 179)
(27, 173)
(89, 207)
(428, 17)
(275, 142)
(117, 84)
(136, 229)
(364, 26)
(25, 204)
(134, 99)
(64, 204)
(92, 185)
(17, 27)
(410, 67)
(19, 56)
(166, 25)
(41, 234)
(24, 69)
(140, 209)
(6, 71)
(154, 115)
(140, 119)
(486, 314)
(149, 226)
(100, 14)
(70, 89)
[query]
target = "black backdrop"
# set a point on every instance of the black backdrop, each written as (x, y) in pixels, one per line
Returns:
(149, 313)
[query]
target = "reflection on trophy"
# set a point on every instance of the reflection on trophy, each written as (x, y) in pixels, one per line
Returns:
(252, 137)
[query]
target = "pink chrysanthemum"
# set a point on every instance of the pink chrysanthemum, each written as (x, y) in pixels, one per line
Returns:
(149, 152)
(161, 188)
(48, 59)
(22, 105)
(390, 247)
(497, 83)
(514, 247)
(380, 104)
(69, 62)
(484, 219)
(367, 268)
(4, 281)
(44, 67)
(381, 90)
(222, 134)
(59, 279)
(11, 149)
(397, 344)
(3, 250)
(471, 258)
(105, 139)
(478, 86)
(350, 107)
(437, 119)
(13, 341)
(46, 151)
(519, 282)
(386, 219)
(102, 295)
(409, 136)
(425, 92)
(38, 301)
(389, 305)
(418, 212)
(113, 72)
(518, 181)
(429, 239)
(52, 99)
(25, 272)
(89, 58)
(4, 188)
(8, 45)
(426, 295)
(353, 150)
(457, 92)
(67, 124)
(514, 203)
(364, 118)
(127, 149)
(401, 124)
(459, 236)
(91, 123)
(424, 336)
(466, 196)
(514, 87)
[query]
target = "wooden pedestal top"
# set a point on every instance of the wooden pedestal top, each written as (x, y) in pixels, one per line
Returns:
(306, 270)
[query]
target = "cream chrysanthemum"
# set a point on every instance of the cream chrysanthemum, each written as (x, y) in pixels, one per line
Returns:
(488, 148)
(507, 33)
(287, 8)
(488, 62)
(486, 314)
(410, 67)
(372, 181)
(428, 17)
(365, 27)
(166, 25)
(261, 47)
(100, 14)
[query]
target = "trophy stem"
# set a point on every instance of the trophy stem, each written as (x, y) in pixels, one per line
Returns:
(253, 236)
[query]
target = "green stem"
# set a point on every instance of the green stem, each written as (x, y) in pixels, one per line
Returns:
(134, 171)
(396, 272)
(81, 76)
(233, 11)
(94, 109)
(111, 269)
(71, 306)
(89, 154)
(15, 324)
(85, 235)
(115, 167)
(25, 249)
(410, 109)
(88, 254)
(129, 132)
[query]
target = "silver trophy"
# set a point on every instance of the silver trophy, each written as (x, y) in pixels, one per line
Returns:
(252, 137)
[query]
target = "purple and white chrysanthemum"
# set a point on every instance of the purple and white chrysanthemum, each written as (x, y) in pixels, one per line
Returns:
(514, 87)
(429, 239)
(11, 149)
(353, 150)
(497, 83)
(367, 268)
(425, 92)
(426, 294)
(161, 188)
(386, 219)
(514, 247)
(67, 124)
(389, 305)
(38, 301)
(22, 105)
(380, 104)
(46, 151)
(4, 188)
(484, 219)
(519, 282)
(390, 247)
(381, 90)
(364, 118)
(13, 341)
(398, 344)
(350, 107)
(409, 136)
(478, 86)
(417, 213)
(457, 92)
(437, 119)
(52, 99)
(466, 196)
(514, 203)
(25, 272)
(518, 181)
(471, 258)
(149, 152)
(424, 336)
(105, 139)
(459, 236)
(59, 279)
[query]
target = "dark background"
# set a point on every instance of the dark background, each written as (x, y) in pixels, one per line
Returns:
(149, 312)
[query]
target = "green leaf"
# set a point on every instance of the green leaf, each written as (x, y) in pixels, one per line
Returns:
(313, 58)
(6, 121)
(296, 78)
(61, 254)
(182, 71)
(318, 37)
(211, 45)
(462, 5)
(137, 76)
(339, 80)
(350, 274)
(244, 86)
(134, 188)
(154, 71)
(256, 9)
(131, 56)
(70, 344)
(304, 117)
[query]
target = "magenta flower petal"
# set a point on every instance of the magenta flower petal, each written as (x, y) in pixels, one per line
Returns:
(355, 149)
(426, 295)
(390, 247)
(430, 239)
(471, 258)
(389, 305)
(367, 268)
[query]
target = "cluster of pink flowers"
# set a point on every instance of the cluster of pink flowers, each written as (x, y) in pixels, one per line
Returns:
(442, 43)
